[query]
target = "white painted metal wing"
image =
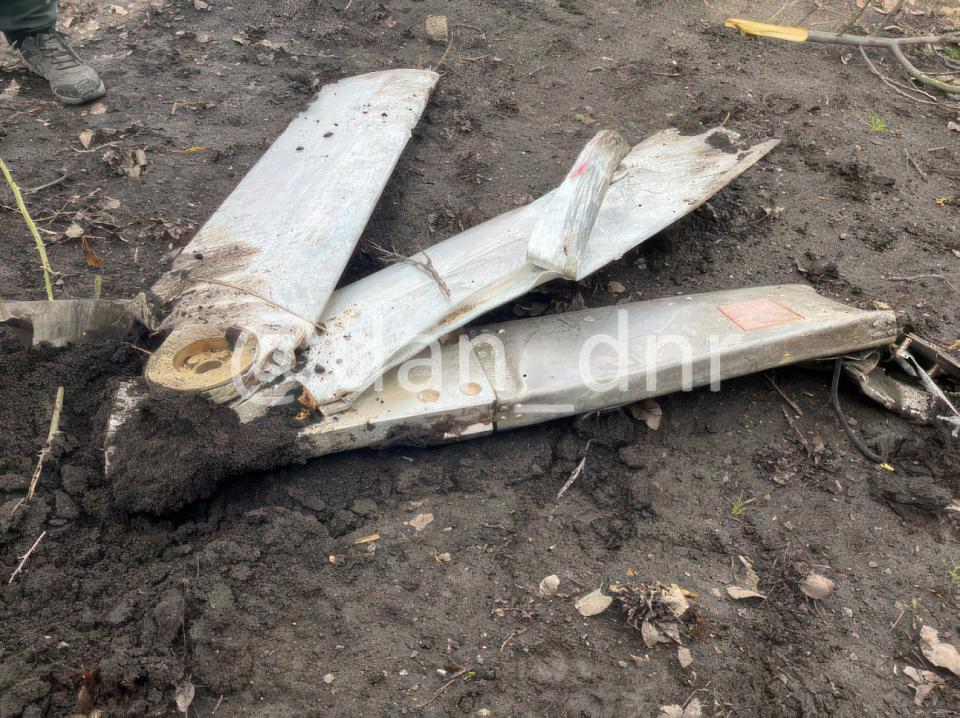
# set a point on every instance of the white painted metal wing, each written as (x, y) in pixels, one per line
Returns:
(271, 255)
(389, 316)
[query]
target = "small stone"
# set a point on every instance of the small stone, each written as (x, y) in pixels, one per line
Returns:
(549, 585)
(404, 672)
(329, 678)
(616, 288)
(848, 612)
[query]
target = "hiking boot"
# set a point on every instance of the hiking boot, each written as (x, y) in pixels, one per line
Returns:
(49, 55)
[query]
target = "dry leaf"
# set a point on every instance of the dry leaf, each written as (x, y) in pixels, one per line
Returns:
(693, 709)
(674, 599)
(751, 580)
(739, 594)
(192, 150)
(97, 108)
(86, 138)
(118, 9)
(593, 603)
(89, 256)
(307, 401)
(420, 521)
(648, 411)
(684, 656)
(816, 586)
(74, 231)
(939, 653)
(651, 636)
(184, 695)
(671, 711)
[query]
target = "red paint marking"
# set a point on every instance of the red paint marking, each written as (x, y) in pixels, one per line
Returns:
(578, 170)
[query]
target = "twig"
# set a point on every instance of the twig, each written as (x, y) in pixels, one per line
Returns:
(427, 265)
(252, 293)
(542, 67)
(923, 276)
(57, 181)
(23, 560)
(783, 396)
(922, 76)
(221, 695)
(47, 281)
(443, 687)
(511, 637)
(893, 85)
(576, 473)
(913, 163)
(45, 452)
(444, 55)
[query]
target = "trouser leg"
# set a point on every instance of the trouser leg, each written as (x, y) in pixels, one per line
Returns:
(20, 18)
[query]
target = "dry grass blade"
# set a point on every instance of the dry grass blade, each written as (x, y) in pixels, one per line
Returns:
(45, 452)
(47, 272)
(23, 560)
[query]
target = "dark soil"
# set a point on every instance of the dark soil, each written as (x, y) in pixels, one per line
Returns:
(258, 593)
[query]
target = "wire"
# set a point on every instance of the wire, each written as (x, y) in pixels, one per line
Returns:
(857, 441)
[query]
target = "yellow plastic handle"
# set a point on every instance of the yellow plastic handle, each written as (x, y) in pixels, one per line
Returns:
(763, 29)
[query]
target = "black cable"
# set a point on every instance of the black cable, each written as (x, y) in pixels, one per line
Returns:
(864, 449)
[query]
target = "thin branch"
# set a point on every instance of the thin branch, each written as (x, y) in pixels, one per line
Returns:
(262, 298)
(57, 181)
(427, 265)
(923, 276)
(47, 281)
(893, 85)
(45, 451)
(923, 77)
(19, 567)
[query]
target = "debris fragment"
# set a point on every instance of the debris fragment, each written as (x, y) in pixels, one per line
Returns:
(673, 598)
(648, 411)
(184, 695)
(366, 539)
(939, 653)
(739, 594)
(420, 521)
(23, 559)
(925, 682)
(125, 162)
(684, 656)
(593, 603)
(329, 678)
(549, 585)
(816, 586)
(649, 633)
(437, 28)
(749, 583)
(693, 709)
(70, 321)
